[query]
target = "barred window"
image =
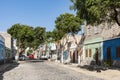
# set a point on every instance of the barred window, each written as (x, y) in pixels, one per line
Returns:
(86, 52)
(90, 52)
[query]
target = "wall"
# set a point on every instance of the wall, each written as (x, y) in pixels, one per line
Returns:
(2, 49)
(8, 45)
(112, 43)
(71, 47)
(92, 44)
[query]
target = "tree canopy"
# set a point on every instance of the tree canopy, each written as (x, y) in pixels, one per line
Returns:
(57, 34)
(23, 34)
(97, 11)
(27, 36)
(39, 36)
(68, 23)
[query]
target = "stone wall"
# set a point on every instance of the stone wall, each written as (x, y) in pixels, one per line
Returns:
(105, 30)
(110, 31)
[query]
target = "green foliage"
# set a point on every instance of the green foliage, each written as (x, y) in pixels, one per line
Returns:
(15, 31)
(108, 63)
(57, 34)
(97, 11)
(49, 37)
(27, 36)
(29, 52)
(39, 33)
(39, 37)
(23, 34)
(68, 23)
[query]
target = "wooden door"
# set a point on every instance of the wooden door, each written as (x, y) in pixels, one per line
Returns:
(74, 57)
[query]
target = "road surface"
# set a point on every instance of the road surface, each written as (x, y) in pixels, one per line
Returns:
(44, 70)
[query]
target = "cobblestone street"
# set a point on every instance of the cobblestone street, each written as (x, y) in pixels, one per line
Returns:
(43, 70)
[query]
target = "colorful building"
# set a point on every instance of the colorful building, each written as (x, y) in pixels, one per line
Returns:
(103, 39)
(90, 48)
(70, 52)
(92, 44)
(111, 51)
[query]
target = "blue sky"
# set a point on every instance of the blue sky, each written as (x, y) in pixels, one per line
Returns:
(32, 12)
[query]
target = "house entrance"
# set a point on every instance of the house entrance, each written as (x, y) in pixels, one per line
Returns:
(108, 53)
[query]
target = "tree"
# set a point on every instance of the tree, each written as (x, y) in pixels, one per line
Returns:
(39, 37)
(49, 37)
(27, 36)
(67, 24)
(57, 35)
(97, 11)
(23, 34)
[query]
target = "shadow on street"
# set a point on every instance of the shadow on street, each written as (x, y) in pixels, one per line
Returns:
(94, 67)
(6, 67)
(35, 60)
(99, 68)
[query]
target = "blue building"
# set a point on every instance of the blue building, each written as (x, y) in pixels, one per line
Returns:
(111, 49)
(2, 49)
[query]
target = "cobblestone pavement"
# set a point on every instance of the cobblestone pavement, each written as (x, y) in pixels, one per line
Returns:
(7, 67)
(109, 74)
(38, 70)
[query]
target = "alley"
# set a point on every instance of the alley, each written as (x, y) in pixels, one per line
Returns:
(43, 70)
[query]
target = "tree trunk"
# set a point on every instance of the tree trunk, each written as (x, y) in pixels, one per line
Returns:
(62, 57)
(17, 55)
(56, 52)
(79, 59)
(18, 51)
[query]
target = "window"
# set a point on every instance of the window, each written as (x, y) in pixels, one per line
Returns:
(86, 52)
(90, 52)
(118, 51)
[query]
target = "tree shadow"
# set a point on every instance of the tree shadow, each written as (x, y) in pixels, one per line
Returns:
(114, 68)
(7, 67)
(93, 67)
(100, 67)
(35, 61)
(115, 65)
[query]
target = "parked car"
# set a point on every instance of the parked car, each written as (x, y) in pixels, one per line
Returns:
(22, 57)
(44, 57)
(31, 56)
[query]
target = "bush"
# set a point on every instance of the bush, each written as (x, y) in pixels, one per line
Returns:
(108, 63)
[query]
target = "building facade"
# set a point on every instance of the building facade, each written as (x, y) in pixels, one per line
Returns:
(70, 51)
(111, 51)
(92, 44)
(104, 39)
(90, 48)
(9, 48)
(2, 49)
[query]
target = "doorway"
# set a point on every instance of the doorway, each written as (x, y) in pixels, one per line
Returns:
(108, 53)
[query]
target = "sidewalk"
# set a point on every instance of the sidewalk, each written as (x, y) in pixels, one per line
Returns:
(110, 74)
